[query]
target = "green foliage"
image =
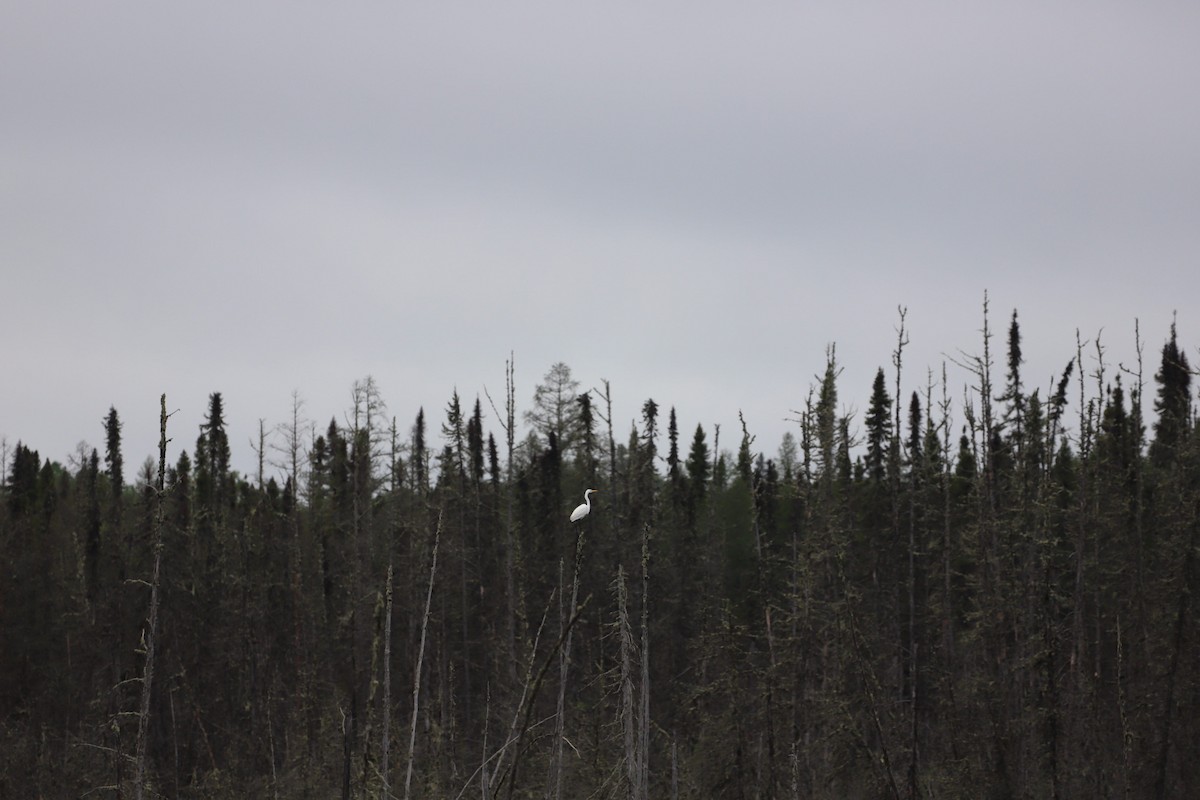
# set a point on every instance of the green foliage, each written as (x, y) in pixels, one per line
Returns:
(1000, 605)
(879, 430)
(1174, 403)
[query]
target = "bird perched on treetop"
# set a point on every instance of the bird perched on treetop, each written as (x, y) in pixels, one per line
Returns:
(584, 508)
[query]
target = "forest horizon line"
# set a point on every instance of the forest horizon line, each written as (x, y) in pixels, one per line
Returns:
(269, 451)
(985, 594)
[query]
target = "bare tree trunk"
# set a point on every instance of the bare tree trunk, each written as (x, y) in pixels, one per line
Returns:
(674, 770)
(385, 745)
(412, 733)
(531, 692)
(347, 754)
(1082, 520)
(913, 666)
(635, 711)
(271, 750)
(516, 720)
(483, 773)
(629, 727)
(1181, 614)
(914, 698)
(151, 633)
(614, 517)
(869, 682)
(948, 611)
(772, 670)
(644, 789)
(510, 584)
(554, 785)
(555, 789)
(1126, 735)
(515, 607)
(261, 450)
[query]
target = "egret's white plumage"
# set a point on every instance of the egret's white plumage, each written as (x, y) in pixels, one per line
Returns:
(584, 508)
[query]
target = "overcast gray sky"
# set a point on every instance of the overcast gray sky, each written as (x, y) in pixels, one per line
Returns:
(690, 199)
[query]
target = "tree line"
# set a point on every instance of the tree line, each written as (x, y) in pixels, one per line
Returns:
(985, 594)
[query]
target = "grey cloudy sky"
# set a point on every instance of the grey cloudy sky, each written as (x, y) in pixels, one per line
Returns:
(691, 200)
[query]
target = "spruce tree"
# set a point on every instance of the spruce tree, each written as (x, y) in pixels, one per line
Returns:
(586, 450)
(676, 480)
(453, 467)
(475, 444)
(698, 463)
(1174, 403)
(916, 432)
(180, 481)
(827, 426)
(340, 474)
(744, 457)
(642, 454)
(113, 462)
(92, 548)
(650, 428)
(212, 460)
(493, 462)
(1014, 397)
(672, 446)
(879, 430)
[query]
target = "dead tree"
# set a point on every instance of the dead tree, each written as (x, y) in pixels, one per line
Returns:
(412, 731)
(150, 634)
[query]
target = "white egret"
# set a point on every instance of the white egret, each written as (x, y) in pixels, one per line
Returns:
(584, 508)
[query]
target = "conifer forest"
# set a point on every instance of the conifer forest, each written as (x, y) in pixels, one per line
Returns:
(980, 590)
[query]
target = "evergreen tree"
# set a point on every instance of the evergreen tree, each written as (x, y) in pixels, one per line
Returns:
(677, 487)
(91, 474)
(1031, 632)
(1058, 404)
(644, 465)
(340, 473)
(213, 483)
(916, 433)
(672, 447)
(1014, 397)
(965, 466)
(879, 430)
(453, 465)
(420, 455)
(587, 437)
(362, 476)
(112, 454)
(844, 443)
(1035, 458)
(827, 427)
(475, 444)
(766, 494)
(543, 510)
(1174, 403)
(720, 472)
(698, 463)
(180, 482)
(493, 462)
(744, 457)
